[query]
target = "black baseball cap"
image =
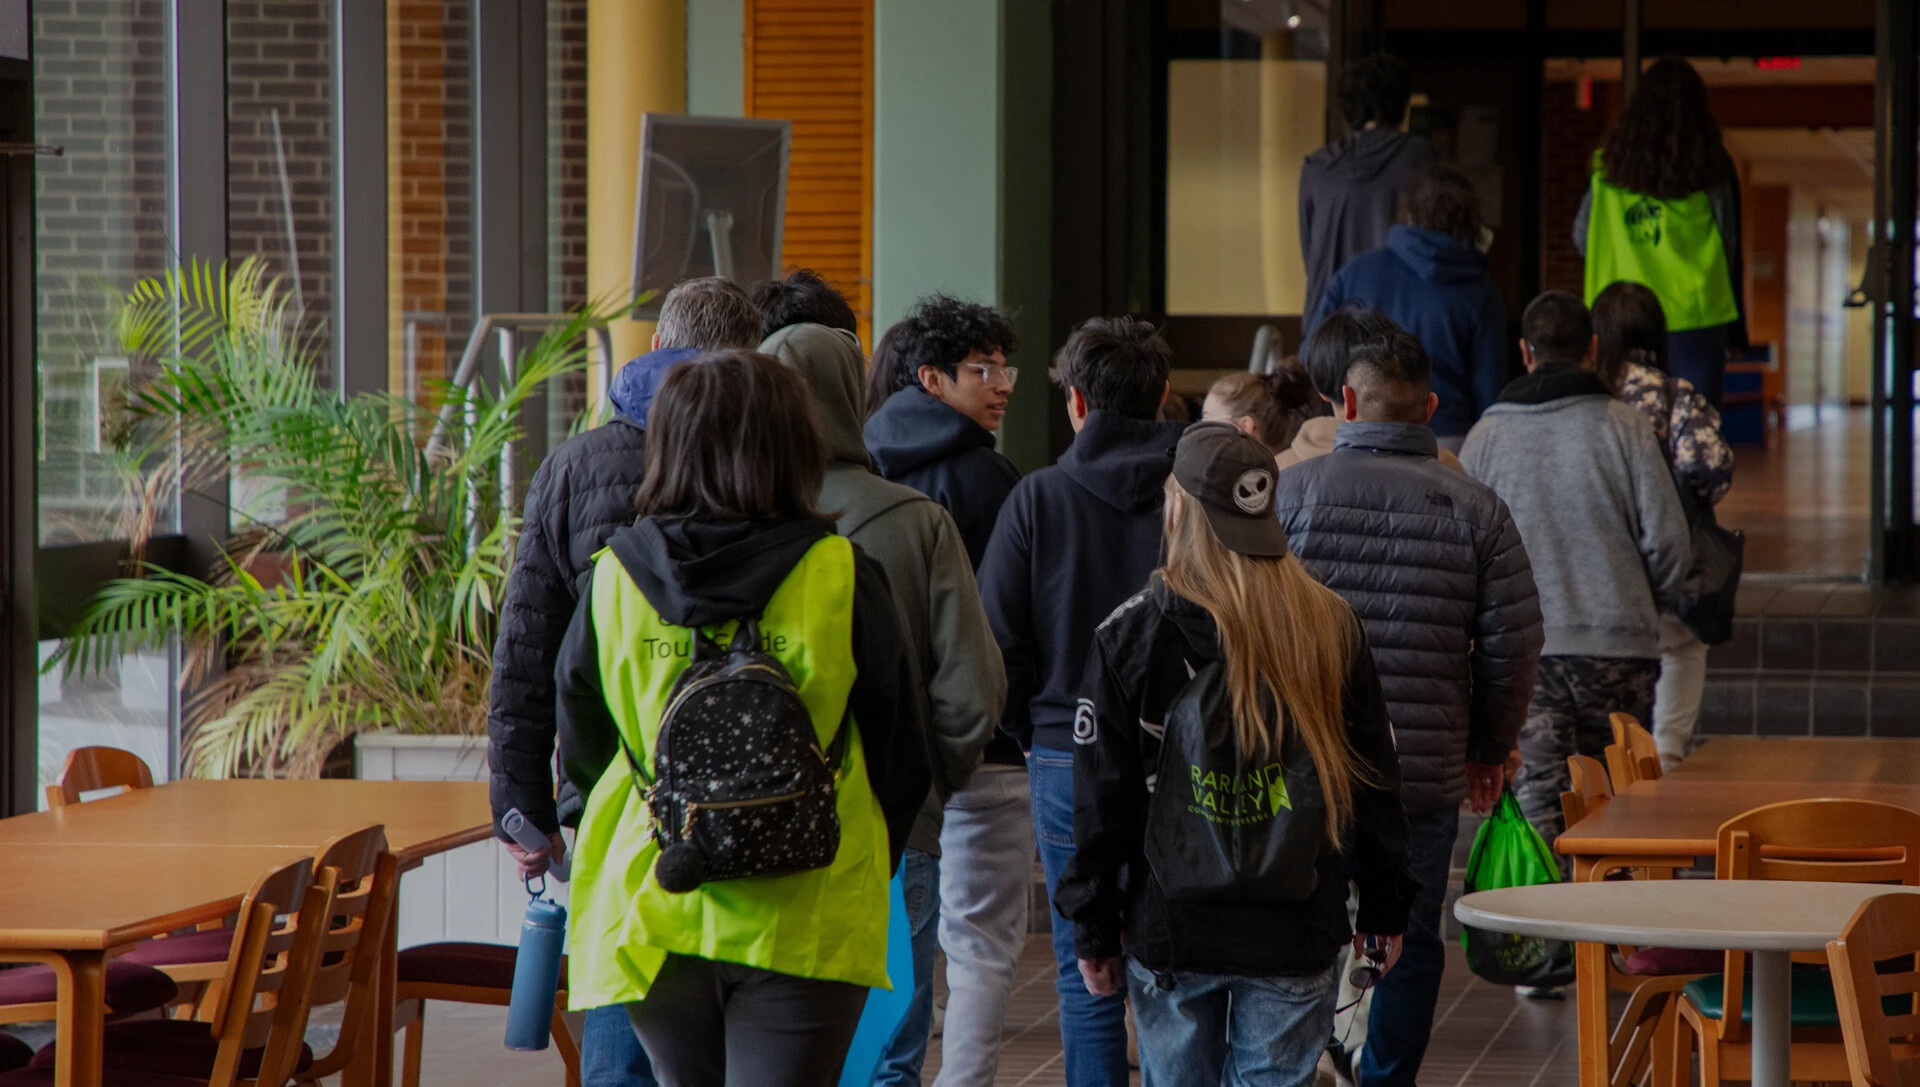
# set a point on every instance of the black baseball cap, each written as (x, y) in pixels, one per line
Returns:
(1232, 477)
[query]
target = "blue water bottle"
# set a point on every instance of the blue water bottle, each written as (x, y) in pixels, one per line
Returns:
(536, 967)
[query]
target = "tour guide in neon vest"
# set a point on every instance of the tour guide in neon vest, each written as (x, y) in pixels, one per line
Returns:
(759, 979)
(1663, 210)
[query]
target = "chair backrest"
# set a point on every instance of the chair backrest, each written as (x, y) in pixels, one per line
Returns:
(276, 943)
(1591, 790)
(367, 879)
(1633, 756)
(1884, 930)
(89, 769)
(1827, 840)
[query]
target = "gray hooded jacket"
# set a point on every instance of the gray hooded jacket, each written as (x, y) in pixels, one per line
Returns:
(1596, 505)
(1432, 564)
(916, 542)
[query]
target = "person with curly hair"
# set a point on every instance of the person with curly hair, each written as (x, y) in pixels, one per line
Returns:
(1663, 209)
(1348, 188)
(801, 297)
(1431, 279)
(937, 392)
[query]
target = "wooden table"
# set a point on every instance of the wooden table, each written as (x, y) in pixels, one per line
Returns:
(1772, 919)
(1855, 761)
(83, 901)
(115, 871)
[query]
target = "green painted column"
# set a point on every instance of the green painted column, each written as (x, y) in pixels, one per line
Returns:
(963, 175)
(716, 57)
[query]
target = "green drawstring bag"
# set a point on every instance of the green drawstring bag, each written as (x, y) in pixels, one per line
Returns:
(1508, 852)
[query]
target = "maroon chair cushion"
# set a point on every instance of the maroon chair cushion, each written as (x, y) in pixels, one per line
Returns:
(171, 1047)
(43, 1076)
(14, 1053)
(193, 947)
(486, 966)
(1664, 961)
(131, 987)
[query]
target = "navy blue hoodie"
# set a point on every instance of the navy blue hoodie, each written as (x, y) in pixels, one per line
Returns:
(919, 442)
(1437, 288)
(633, 387)
(1074, 541)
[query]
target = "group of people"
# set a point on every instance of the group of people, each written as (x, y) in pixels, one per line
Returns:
(1233, 679)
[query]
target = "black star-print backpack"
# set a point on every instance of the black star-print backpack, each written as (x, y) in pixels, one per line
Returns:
(740, 785)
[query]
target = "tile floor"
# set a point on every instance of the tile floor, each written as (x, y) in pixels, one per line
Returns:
(1484, 1036)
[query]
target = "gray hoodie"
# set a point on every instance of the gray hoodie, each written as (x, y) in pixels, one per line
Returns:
(1347, 195)
(1596, 506)
(916, 542)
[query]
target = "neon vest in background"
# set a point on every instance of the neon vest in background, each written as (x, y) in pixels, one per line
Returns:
(830, 923)
(1672, 247)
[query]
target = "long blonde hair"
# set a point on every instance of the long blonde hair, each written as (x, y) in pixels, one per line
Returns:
(1288, 642)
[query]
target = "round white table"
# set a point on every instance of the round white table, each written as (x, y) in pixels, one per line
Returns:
(1769, 918)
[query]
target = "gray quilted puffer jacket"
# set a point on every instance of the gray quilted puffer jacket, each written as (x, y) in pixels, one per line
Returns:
(1432, 563)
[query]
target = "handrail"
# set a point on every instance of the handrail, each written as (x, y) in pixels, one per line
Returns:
(504, 326)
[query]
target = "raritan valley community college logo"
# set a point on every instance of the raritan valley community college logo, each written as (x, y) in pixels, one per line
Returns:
(1254, 796)
(1643, 222)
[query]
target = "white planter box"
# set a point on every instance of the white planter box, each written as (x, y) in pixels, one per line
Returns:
(470, 893)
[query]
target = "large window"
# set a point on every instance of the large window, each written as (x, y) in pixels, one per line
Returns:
(100, 75)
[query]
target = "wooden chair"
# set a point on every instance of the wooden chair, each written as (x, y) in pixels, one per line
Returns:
(1882, 1050)
(90, 769)
(1652, 977)
(1829, 840)
(367, 884)
(254, 1033)
(1633, 756)
(469, 973)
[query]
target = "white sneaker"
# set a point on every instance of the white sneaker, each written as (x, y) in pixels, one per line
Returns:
(1540, 992)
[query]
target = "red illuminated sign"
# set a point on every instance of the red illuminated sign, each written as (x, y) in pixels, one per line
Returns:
(1776, 64)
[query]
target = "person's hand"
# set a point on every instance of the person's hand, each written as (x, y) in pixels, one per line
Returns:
(1387, 946)
(1104, 977)
(1484, 781)
(1513, 764)
(536, 864)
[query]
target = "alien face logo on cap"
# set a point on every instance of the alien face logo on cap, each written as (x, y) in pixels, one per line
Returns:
(1253, 492)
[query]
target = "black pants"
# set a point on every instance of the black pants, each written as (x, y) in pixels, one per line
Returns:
(717, 1024)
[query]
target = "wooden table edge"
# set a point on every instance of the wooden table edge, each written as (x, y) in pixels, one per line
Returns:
(446, 843)
(94, 939)
(1658, 847)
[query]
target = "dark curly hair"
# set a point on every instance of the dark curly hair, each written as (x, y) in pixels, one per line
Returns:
(1376, 89)
(940, 331)
(1442, 199)
(801, 298)
(1120, 364)
(1666, 143)
(1632, 327)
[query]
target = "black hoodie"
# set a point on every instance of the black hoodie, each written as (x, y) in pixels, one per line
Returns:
(918, 441)
(1073, 541)
(1347, 195)
(701, 573)
(1141, 657)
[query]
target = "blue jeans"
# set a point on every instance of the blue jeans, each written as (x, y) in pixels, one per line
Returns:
(1404, 1000)
(920, 884)
(610, 1053)
(1269, 1032)
(1093, 1029)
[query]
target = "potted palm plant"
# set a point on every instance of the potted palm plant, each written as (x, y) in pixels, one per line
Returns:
(357, 591)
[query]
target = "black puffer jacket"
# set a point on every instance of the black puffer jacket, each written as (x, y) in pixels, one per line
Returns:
(1432, 563)
(581, 493)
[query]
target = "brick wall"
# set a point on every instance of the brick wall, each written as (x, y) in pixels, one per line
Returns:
(279, 66)
(567, 174)
(101, 224)
(1569, 136)
(430, 180)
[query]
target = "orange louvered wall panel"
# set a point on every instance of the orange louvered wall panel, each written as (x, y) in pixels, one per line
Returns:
(811, 62)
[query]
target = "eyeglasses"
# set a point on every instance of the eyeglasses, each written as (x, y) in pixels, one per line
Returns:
(995, 375)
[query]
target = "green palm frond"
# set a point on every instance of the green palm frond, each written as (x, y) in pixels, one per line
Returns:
(374, 602)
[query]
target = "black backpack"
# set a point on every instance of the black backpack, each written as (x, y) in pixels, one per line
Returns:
(1220, 829)
(1705, 605)
(740, 786)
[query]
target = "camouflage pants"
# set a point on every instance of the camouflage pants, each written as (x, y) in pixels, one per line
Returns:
(1568, 716)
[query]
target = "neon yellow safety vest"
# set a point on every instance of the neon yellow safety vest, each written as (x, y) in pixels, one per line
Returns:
(1672, 247)
(830, 923)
